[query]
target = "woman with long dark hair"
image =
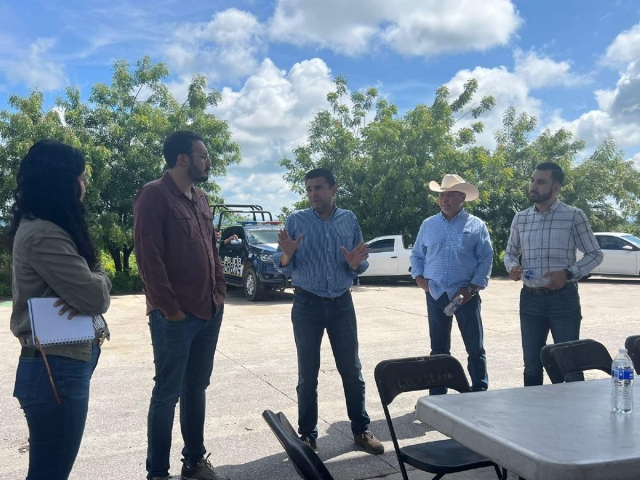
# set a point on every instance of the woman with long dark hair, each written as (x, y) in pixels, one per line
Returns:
(53, 256)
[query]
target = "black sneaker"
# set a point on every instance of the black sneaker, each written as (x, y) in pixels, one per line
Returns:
(203, 470)
(309, 440)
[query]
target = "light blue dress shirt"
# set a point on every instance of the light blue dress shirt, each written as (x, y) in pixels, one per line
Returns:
(318, 265)
(452, 254)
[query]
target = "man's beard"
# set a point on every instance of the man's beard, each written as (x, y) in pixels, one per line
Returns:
(195, 175)
(540, 198)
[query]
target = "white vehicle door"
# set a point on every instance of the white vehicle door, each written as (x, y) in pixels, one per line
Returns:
(617, 260)
(383, 258)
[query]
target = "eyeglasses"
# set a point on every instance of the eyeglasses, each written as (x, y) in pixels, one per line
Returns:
(205, 156)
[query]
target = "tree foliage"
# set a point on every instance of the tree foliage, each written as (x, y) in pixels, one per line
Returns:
(384, 161)
(120, 130)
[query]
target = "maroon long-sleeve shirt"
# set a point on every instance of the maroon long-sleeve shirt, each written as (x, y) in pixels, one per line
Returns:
(175, 250)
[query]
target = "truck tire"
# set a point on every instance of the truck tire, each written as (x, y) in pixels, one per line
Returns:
(253, 289)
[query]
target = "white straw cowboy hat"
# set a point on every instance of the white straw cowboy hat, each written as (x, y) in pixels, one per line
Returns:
(455, 183)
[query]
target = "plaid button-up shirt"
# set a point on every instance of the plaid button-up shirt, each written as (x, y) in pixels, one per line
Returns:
(548, 241)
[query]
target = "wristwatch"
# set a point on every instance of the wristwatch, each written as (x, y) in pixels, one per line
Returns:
(472, 291)
(569, 274)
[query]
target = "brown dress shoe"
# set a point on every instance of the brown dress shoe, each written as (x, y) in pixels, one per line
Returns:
(370, 443)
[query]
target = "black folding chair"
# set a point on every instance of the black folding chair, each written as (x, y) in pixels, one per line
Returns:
(402, 375)
(304, 459)
(549, 362)
(579, 356)
(633, 348)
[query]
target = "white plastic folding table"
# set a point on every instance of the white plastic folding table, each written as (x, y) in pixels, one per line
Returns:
(560, 432)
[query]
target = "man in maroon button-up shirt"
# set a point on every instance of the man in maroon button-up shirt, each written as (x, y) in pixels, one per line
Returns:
(185, 289)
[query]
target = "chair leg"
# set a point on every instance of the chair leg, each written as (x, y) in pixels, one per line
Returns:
(502, 474)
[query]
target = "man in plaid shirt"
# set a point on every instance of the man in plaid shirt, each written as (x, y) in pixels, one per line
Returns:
(544, 239)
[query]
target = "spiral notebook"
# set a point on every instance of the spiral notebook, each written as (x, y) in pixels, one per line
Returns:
(54, 329)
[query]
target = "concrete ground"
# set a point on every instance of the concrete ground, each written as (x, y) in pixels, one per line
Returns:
(255, 369)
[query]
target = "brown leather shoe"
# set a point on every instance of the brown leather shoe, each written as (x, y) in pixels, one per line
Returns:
(370, 443)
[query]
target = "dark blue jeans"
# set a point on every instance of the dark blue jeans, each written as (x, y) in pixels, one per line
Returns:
(470, 325)
(311, 316)
(183, 355)
(55, 431)
(557, 311)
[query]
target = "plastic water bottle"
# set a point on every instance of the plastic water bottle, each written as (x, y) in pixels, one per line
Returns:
(535, 280)
(622, 383)
(453, 305)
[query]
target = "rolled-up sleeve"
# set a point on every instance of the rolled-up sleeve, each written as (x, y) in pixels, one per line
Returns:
(512, 253)
(55, 258)
(149, 247)
(587, 243)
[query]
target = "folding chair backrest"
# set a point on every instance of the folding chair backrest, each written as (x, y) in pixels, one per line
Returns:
(401, 375)
(304, 459)
(633, 347)
(579, 356)
(550, 365)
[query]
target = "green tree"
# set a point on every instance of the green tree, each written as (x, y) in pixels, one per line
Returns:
(120, 129)
(383, 166)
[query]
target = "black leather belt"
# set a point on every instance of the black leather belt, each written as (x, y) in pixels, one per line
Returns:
(318, 297)
(546, 291)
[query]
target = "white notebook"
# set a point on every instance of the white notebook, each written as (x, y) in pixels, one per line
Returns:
(54, 329)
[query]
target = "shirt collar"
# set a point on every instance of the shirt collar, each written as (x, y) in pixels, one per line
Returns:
(461, 214)
(552, 208)
(333, 212)
(168, 181)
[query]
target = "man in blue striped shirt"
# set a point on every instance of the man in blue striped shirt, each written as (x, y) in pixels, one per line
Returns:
(453, 256)
(321, 248)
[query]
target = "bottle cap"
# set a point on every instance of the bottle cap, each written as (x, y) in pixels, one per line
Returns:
(622, 350)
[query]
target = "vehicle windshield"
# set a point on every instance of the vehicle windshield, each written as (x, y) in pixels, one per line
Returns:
(259, 236)
(632, 239)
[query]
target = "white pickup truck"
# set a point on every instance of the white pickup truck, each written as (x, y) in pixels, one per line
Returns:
(388, 256)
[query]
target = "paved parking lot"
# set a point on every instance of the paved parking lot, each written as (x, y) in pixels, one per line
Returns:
(255, 369)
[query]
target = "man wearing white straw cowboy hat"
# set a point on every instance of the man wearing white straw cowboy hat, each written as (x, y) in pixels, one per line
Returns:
(453, 256)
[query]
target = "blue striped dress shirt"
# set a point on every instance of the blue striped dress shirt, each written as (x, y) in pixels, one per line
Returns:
(318, 265)
(452, 254)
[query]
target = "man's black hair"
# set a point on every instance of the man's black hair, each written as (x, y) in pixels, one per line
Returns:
(177, 143)
(321, 172)
(556, 172)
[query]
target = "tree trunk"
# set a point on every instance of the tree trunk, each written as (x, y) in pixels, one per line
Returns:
(117, 257)
(126, 254)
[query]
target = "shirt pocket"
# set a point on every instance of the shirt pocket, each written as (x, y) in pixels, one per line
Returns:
(186, 222)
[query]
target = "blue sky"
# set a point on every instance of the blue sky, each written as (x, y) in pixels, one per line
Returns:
(572, 64)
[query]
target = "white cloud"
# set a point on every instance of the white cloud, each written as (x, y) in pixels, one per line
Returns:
(34, 67)
(508, 89)
(541, 71)
(408, 27)
(226, 47)
(625, 48)
(618, 112)
(268, 117)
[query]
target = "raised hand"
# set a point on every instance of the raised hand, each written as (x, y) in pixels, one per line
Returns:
(357, 255)
(287, 244)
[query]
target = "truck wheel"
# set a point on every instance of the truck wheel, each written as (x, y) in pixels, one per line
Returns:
(253, 289)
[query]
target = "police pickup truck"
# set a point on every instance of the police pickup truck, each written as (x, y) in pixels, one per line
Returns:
(246, 247)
